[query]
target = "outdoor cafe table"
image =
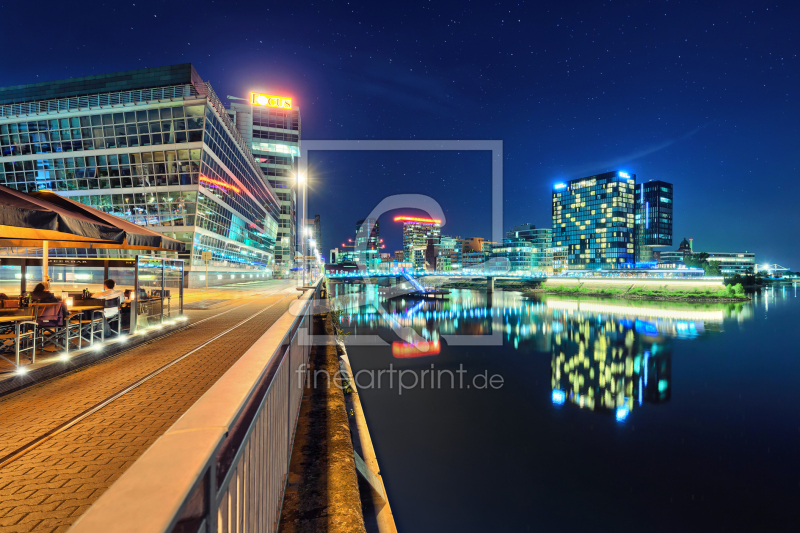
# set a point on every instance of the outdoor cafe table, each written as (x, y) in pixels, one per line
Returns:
(82, 308)
(14, 318)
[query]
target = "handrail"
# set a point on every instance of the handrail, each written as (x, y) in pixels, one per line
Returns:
(414, 283)
(224, 462)
(116, 98)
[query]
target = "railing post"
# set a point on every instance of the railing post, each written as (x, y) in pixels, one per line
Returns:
(289, 407)
(135, 307)
(212, 506)
(183, 265)
(163, 289)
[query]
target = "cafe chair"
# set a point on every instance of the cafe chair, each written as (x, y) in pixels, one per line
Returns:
(19, 337)
(91, 328)
(56, 330)
(116, 320)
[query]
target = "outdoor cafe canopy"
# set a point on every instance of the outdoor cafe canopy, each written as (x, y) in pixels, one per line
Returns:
(45, 219)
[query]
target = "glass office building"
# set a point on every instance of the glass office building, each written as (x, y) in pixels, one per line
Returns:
(448, 253)
(653, 218)
(271, 130)
(593, 218)
(417, 233)
(153, 146)
(528, 250)
(732, 263)
(367, 245)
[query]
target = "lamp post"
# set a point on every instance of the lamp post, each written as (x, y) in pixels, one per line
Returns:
(312, 255)
(300, 179)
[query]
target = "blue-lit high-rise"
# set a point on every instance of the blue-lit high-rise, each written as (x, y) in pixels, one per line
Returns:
(593, 218)
(154, 146)
(653, 218)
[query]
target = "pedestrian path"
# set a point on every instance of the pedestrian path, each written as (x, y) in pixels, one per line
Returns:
(53, 468)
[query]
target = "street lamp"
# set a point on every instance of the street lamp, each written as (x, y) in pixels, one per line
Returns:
(300, 179)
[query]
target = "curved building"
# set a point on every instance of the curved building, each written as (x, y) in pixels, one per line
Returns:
(154, 146)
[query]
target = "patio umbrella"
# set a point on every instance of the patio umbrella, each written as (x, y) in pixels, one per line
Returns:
(44, 219)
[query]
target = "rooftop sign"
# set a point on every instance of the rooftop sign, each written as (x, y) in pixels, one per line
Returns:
(270, 100)
(417, 219)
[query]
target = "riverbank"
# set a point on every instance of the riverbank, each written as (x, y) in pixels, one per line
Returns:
(505, 284)
(672, 290)
(322, 490)
(334, 482)
(712, 295)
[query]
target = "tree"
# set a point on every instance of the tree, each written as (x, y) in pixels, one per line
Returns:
(696, 260)
(700, 260)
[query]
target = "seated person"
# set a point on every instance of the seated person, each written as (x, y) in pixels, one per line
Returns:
(126, 298)
(42, 295)
(107, 294)
(3, 296)
(125, 307)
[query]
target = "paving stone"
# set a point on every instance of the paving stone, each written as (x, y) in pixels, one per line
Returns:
(57, 481)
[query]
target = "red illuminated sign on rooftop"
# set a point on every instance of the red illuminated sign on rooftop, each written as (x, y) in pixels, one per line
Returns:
(419, 220)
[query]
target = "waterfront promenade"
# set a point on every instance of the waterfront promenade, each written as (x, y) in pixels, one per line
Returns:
(63, 442)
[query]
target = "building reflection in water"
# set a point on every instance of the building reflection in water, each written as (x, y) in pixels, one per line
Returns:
(612, 363)
(608, 356)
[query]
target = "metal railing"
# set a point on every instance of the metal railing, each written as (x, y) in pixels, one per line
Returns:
(222, 467)
(111, 99)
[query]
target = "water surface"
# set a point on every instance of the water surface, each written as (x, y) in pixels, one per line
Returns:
(612, 415)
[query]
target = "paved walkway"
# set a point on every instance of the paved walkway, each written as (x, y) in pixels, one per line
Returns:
(47, 488)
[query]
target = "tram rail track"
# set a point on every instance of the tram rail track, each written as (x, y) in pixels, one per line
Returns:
(35, 442)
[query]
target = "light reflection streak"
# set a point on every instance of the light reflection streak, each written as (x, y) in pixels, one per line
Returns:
(592, 307)
(605, 357)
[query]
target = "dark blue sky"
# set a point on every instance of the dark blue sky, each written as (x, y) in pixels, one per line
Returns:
(702, 94)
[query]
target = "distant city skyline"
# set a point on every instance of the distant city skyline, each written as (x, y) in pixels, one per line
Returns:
(694, 97)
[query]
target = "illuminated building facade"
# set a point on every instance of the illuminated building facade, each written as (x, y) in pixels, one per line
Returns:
(336, 256)
(153, 146)
(653, 218)
(448, 251)
(271, 128)
(417, 231)
(527, 249)
(559, 258)
(593, 218)
(732, 263)
(474, 244)
(368, 243)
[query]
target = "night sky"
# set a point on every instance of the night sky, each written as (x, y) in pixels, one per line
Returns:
(701, 94)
